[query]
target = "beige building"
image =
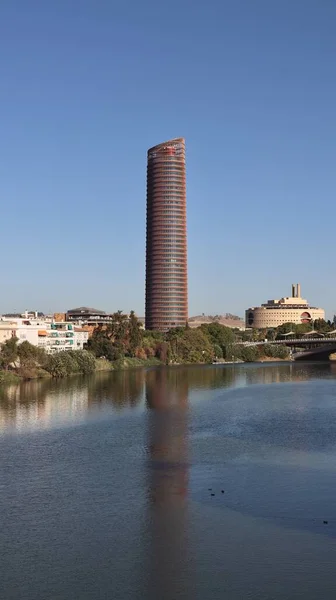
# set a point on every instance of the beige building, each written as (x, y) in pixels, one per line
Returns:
(292, 309)
(7, 331)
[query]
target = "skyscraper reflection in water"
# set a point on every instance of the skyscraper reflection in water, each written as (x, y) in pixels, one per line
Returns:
(167, 397)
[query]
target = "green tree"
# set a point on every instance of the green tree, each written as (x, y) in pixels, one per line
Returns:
(302, 328)
(322, 326)
(219, 334)
(9, 353)
(134, 334)
(218, 351)
(189, 346)
(249, 353)
(118, 328)
(285, 328)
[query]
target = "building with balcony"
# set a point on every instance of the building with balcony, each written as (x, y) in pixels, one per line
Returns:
(90, 316)
(52, 336)
(166, 237)
(291, 309)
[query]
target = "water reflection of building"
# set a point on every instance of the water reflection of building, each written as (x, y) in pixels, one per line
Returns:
(167, 399)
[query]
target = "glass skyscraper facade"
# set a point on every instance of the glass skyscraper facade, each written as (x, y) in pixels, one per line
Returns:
(166, 237)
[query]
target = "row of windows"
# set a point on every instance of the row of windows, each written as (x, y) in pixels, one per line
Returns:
(165, 164)
(168, 225)
(168, 301)
(172, 238)
(156, 272)
(169, 280)
(163, 195)
(168, 308)
(169, 253)
(178, 244)
(171, 211)
(158, 238)
(164, 181)
(168, 222)
(177, 315)
(165, 215)
(168, 165)
(174, 290)
(181, 279)
(165, 245)
(164, 263)
(172, 185)
(162, 235)
(160, 195)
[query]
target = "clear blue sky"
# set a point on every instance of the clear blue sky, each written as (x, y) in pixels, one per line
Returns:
(86, 86)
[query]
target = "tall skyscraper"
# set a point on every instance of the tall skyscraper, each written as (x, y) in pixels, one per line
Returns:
(166, 237)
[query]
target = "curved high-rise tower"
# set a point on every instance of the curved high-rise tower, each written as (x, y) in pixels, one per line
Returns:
(166, 239)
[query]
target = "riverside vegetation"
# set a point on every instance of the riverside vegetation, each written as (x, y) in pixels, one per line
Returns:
(124, 344)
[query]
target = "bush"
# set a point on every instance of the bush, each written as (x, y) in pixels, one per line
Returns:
(68, 362)
(249, 354)
(84, 360)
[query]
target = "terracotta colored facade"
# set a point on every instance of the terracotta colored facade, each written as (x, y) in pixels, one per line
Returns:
(166, 237)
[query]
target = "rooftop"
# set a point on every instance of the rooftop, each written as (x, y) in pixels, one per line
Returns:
(85, 310)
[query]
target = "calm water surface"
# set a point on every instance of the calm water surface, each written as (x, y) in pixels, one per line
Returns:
(193, 483)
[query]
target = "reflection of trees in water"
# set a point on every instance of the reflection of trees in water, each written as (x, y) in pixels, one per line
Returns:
(167, 399)
(39, 400)
(43, 400)
(46, 399)
(119, 388)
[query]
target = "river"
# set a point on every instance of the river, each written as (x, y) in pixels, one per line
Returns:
(187, 482)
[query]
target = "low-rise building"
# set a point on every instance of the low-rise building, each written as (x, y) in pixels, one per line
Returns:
(291, 309)
(27, 329)
(62, 336)
(52, 336)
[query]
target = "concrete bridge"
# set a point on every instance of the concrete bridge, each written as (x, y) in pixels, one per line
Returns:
(316, 348)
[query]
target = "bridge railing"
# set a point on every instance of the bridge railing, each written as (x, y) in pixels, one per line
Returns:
(297, 341)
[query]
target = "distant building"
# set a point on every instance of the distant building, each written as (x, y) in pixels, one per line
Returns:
(291, 309)
(227, 320)
(91, 316)
(166, 237)
(59, 317)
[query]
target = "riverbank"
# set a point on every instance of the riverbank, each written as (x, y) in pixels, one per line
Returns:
(101, 364)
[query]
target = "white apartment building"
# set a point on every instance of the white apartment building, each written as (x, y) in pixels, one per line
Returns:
(52, 336)
(58, 336)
